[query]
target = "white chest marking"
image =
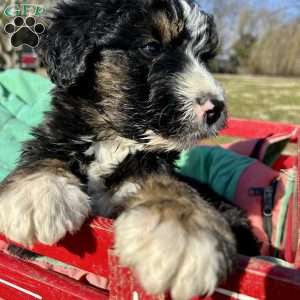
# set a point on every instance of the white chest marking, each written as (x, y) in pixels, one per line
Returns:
(108, 154)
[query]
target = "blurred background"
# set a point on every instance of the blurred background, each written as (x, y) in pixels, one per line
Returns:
(258, 62)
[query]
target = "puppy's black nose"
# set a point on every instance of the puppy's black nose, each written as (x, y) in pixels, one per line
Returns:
(213, 115)
(214, 111)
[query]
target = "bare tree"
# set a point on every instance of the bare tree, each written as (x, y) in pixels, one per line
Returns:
(225, 13)
(278, 51)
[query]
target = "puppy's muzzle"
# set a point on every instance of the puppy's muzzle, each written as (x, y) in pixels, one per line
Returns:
(209, 109)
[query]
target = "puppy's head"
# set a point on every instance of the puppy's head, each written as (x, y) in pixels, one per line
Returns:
(145, 61)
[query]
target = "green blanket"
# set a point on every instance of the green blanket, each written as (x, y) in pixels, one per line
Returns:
(24, 96)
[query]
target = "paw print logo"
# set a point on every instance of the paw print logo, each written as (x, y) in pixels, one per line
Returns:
(24, 31)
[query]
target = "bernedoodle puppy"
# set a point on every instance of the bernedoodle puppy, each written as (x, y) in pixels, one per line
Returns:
(132, 91)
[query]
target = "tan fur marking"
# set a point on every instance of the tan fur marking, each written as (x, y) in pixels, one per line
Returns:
(167, 29)
(112, 75)
(167, 234)
(154, 141)
(173, 199)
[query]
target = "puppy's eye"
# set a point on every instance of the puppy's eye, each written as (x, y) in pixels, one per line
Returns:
(151, 50)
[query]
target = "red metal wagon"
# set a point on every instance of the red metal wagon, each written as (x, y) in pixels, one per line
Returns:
(90, 251)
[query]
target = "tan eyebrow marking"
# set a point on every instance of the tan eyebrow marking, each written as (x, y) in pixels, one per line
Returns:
(167, 29)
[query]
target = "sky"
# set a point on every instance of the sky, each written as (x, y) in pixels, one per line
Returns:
(285, 10)
(287, 5)
(273, 3)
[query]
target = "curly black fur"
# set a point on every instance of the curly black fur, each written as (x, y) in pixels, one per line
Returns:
(132, 91)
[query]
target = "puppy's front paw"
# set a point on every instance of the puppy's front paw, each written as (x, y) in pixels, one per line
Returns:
(42, 207)
(185, 256)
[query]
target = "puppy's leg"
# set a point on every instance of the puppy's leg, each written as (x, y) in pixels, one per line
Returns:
(42, 202)
(174, 240)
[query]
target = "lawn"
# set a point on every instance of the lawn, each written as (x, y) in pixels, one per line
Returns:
(265, 98)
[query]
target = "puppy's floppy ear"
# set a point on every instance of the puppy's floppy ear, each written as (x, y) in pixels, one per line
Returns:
(212, 46)
(66, 44)
(214, 40)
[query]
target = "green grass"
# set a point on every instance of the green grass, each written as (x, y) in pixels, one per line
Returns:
(264, 98)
